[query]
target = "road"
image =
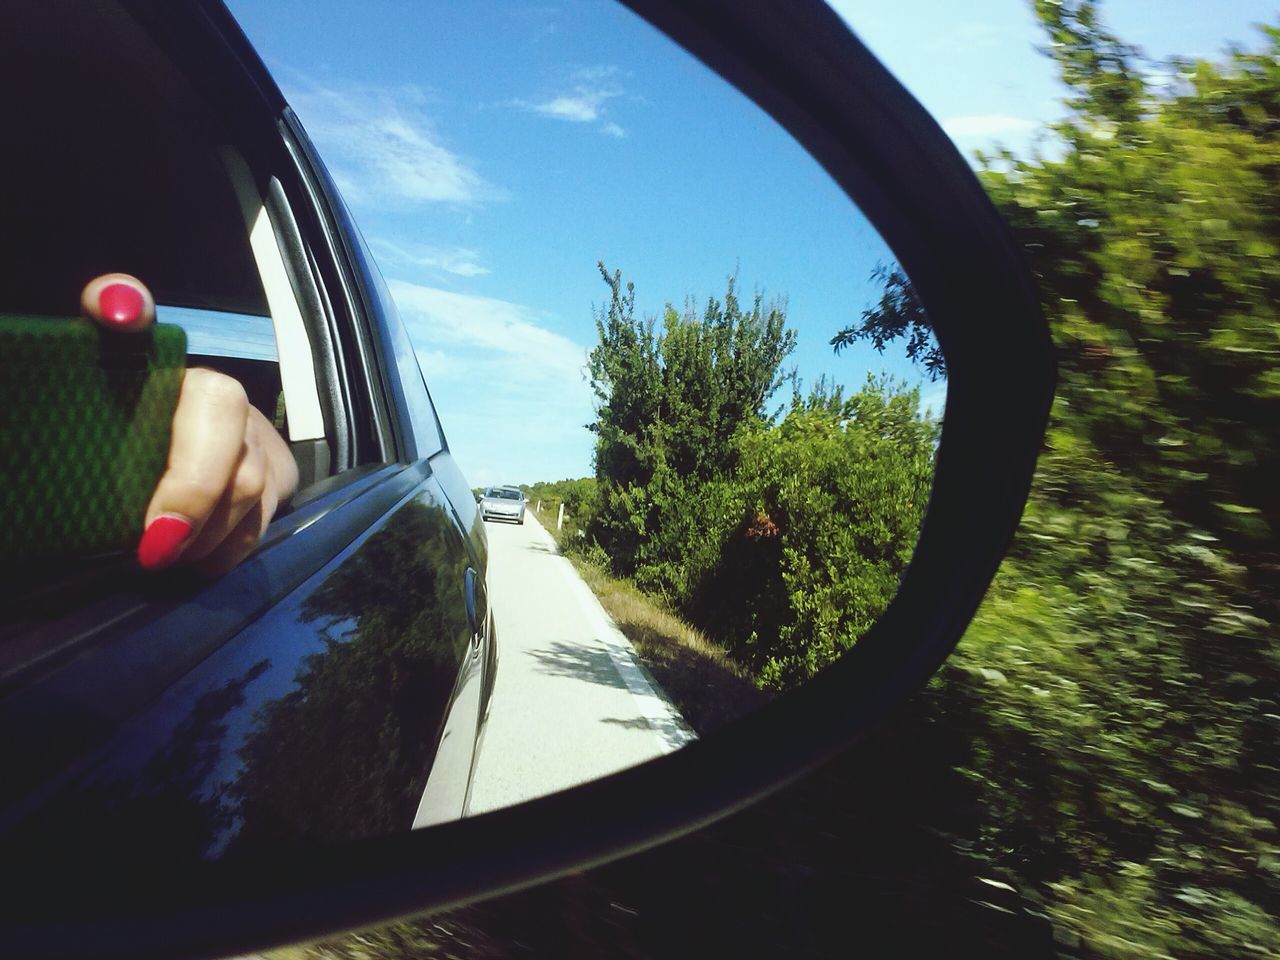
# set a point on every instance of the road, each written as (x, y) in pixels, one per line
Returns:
(571, 702)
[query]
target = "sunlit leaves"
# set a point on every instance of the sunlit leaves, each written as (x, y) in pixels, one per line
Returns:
(1135, 621)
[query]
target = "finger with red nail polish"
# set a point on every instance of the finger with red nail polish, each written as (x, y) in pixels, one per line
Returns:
(118, 302)
(228, 471)
(204, 448)
(162, 542)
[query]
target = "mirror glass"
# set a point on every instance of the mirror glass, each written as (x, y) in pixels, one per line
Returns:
(638, 302)
(691, 392)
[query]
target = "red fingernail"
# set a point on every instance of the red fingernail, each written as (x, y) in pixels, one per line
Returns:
(120, 304)
(162, 542)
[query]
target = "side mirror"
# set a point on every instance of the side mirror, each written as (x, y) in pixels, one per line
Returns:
(802, 66)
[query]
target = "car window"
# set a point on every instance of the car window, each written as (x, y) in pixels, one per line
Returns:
(167, 213)
(151, 170)
(242, 345)
(197, 215)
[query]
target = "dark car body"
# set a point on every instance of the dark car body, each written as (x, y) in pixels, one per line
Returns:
(334, 685)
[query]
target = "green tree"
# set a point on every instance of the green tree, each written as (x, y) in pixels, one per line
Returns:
(834, 496)
(670, 401)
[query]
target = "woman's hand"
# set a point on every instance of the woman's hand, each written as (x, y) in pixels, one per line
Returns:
(228, 471)
(228, 468)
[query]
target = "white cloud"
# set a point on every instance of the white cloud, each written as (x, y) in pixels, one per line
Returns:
(986, 125)
(458, 261)
(583, 105)
(510, 391)
(586, 100)
(970, 37)
(443, 318)
(383, 149)
(437, 365)
(978, 30)
(989, 132)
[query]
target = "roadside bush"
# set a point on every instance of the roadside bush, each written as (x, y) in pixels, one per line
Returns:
(579, 499)
(834, 498)
(672, 396)
(785, 541)
(690, 525)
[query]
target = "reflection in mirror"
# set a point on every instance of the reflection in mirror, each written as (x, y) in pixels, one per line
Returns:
(695, 402)
(305, 729)
(638, 303)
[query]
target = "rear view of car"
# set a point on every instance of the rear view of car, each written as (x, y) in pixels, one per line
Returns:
(502, 503)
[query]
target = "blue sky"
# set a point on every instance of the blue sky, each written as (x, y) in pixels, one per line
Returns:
(976, 67)
(493, 152)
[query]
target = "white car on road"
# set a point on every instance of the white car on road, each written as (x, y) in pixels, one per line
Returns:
(502, 503)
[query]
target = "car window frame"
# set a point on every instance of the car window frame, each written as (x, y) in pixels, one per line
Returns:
(351, 377)
(415, 425)
(351, 327)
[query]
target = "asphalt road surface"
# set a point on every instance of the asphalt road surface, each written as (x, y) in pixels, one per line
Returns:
(571, 702)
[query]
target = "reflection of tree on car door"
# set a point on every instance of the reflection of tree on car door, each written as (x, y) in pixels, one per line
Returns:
(316, 724)
(346, 753)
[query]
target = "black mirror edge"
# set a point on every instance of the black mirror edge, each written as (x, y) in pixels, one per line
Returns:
(799, 63)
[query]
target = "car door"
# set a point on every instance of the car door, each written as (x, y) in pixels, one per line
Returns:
(331, 686)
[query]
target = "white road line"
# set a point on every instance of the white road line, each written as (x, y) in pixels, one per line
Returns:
(668, 726)
(572, 701)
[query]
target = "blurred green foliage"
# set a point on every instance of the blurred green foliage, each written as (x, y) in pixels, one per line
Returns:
(1119, 690)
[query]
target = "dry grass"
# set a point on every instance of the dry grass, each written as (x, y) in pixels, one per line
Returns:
(707, 686)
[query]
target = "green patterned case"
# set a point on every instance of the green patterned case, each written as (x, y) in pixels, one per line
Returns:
(85, 421)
